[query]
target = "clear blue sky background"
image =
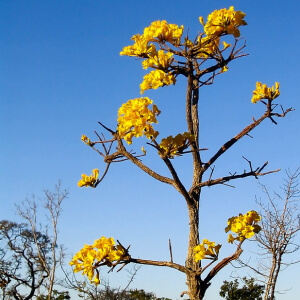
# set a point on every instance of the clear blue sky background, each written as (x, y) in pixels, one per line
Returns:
(61, 72)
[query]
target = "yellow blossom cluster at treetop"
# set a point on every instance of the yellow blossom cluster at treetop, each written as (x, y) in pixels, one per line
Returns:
(244, 226)
(135, 119)
(89, 180)
(102, 252)
(162, 31)
(262, 91)
(223, 21)
(219, 22)
(206, 250)
(171, 146)
(159, 32)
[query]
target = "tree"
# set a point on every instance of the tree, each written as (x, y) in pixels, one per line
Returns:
(56, 295)
(230, 290)
(140, 295)
(279, 227)
(109, 293)
(23, 266)
(199, 60)
(52, 202)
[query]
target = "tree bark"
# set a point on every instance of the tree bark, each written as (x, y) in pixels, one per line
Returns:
(193, 278)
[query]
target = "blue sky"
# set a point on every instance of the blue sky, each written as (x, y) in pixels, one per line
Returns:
(61, 73)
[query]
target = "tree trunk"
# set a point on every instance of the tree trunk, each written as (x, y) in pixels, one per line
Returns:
(269, 293)
(193, 278)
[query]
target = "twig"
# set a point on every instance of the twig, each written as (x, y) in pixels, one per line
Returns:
(170, 249)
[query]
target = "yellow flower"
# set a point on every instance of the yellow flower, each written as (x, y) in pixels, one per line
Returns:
(244, 226)
(96, 279)
(144, 150)
(224, 69)
(224, 21)
(103, 251)
(86, 140)
(230, 238)
(264, 92)
(89, 180)
(201, 20)
(199, 252)
(226, 45)
(206, 250)
(172, 146)
(135, 119)
(252, 217)
(156, 79)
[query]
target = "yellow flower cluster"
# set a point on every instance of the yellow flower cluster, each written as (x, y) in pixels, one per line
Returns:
(140, 48)
(156, 79)
(135, 119)
(161, 31)
(264, 92)
(206, 250)
(172, 146)
(103, 251)
(158, 31)
(223, 21)
(161, 60)
(86, 140)
(244, 226)
(89, 180)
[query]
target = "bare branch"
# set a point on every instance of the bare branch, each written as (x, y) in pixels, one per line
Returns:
(143, 167)
(257, 172)
(268, 114)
